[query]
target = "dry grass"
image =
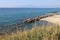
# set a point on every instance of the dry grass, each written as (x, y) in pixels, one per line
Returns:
(36, 33)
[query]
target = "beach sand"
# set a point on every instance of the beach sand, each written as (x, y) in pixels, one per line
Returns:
(53, 19)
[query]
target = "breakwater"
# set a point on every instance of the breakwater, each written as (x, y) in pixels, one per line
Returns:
(30, 20)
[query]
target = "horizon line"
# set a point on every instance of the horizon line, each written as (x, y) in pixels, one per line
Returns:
(29, 7)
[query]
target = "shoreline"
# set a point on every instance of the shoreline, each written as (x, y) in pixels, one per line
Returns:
(53, 19)
(30, 20)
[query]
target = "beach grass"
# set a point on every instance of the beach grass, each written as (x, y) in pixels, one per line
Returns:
(36, 33)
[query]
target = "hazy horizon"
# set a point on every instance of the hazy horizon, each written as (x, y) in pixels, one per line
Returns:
(29, 3)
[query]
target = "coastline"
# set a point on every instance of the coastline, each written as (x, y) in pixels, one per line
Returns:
(35, 19)
(53, 19)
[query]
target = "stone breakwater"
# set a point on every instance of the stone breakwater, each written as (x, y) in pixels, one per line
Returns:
(30, 20)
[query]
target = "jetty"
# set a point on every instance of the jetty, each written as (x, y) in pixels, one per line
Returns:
(30, 20)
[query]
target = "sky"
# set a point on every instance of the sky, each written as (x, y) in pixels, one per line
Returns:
(29, 3)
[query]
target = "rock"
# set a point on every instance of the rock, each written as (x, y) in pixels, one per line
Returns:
(29, 20)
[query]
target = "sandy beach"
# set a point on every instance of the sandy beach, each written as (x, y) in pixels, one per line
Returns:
(53, 19)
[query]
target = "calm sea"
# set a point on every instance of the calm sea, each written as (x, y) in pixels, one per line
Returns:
(10, 16)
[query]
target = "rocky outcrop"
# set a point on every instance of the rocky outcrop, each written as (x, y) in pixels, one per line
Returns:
(29, 20)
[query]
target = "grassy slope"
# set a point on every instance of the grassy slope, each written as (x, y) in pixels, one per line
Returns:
(36, 33)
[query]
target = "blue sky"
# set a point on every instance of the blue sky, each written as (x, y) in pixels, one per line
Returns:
(30, 3)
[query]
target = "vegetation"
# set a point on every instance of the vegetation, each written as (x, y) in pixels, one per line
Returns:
(36, 33)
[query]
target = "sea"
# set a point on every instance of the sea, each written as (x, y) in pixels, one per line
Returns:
(13, 16)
